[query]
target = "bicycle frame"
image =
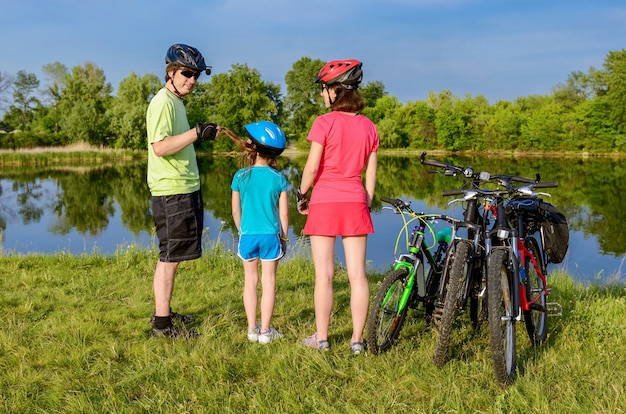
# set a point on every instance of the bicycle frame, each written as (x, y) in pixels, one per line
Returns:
(523, 252)
(418, 250)
(408, 284)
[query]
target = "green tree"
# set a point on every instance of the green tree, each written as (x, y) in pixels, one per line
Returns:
(83, 104)
(382, 114)
(24, 102)
(417, 121)
(615, 96)
(372, 92)
(452, 121)
(577, 88)
(233, 100)
(56, 73)
(273, 92)
(303, 101)
(542, 129)
(199, 106)
(477, 113)
(502, 130)
(127, 115)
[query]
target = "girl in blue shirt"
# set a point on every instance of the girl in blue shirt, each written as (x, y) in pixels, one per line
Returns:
(259, 208)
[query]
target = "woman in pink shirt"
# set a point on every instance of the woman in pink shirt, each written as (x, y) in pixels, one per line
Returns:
(343, 147)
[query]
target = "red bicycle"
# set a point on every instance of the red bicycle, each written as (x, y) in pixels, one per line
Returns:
(522, 243)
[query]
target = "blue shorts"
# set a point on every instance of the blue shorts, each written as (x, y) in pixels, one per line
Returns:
(260, 246)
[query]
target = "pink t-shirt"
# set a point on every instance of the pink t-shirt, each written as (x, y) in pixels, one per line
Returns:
(348, 141)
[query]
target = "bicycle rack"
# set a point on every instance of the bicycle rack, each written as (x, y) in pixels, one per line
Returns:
(554, 309)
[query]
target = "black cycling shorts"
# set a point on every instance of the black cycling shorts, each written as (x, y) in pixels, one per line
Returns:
(179, 220)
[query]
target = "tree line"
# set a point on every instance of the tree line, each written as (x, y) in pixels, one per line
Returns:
(585, 113)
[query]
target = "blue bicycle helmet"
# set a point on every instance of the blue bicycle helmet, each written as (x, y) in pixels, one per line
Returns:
(269, 139)
(187, 56)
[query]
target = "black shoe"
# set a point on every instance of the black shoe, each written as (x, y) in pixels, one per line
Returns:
(173, 332)
(184, 319)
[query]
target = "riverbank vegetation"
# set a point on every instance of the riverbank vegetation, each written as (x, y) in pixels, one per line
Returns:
(585, 114)
(75, 340)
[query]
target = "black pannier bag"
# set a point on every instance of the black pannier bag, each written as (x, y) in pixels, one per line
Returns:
(539, 213)
(555, 232)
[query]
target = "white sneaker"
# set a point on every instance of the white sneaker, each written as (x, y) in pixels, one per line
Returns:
(265, 337)
(253, 334)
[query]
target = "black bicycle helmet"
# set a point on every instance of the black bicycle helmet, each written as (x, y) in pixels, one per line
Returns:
(187, 56)
(348, 73)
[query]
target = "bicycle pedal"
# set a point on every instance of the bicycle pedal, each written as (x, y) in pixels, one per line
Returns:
(538, 307)
(554, 309)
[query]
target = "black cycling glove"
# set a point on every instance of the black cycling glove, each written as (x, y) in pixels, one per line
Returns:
(206, 132)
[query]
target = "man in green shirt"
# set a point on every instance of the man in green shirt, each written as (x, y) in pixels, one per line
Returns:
(174, 182)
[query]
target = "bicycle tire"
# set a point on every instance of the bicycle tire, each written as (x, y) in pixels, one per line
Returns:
(501, 321)
(457, 270)
(385, 323)
(536, 318)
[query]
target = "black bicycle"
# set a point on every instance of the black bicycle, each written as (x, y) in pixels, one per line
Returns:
(465, 279)
(408, 284)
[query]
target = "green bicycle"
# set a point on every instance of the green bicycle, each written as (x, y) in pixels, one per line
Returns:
(408, 284)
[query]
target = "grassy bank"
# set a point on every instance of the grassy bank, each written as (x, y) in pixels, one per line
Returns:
(80, 153)
(74, 339)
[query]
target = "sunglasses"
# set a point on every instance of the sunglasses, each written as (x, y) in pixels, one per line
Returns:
(189, 73)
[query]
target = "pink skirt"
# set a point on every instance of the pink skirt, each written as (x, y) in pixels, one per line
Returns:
(338, 219)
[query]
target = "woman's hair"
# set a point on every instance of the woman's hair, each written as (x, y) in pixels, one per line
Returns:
(248, 157)
(347, 100)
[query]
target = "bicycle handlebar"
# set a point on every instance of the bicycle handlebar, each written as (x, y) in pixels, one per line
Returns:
(468, 172)
(453, 192)
(499, 193)
(434, 163)
(397, 203)
(390, 200)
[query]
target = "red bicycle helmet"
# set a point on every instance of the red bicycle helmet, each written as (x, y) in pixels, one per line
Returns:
(348, 73)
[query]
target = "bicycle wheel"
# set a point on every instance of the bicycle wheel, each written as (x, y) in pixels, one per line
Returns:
(386, 319)
(536, 318)
(456, 267)
(501, 322)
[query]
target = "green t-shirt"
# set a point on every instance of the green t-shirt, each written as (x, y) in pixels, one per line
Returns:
(176, 173)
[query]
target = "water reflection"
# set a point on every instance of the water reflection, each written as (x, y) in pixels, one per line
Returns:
(45, 209)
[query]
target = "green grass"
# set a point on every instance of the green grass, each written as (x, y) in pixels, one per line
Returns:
(77, 154)
(74, 339)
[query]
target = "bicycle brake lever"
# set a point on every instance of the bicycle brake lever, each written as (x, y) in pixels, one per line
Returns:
(455, 201)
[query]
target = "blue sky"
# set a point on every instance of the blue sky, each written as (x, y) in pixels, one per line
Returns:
(501, 49)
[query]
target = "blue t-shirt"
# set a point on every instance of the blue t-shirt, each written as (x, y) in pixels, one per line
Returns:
(259, 190)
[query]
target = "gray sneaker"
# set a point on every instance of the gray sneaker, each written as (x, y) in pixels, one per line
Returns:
(265, 337)
(313, 342)
(253, 334)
